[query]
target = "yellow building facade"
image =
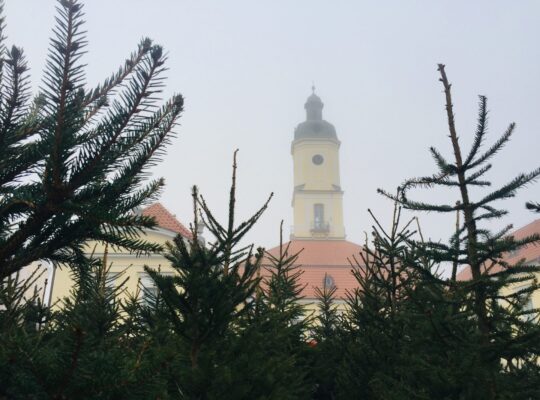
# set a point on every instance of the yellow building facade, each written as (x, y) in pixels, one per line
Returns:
(123, 264)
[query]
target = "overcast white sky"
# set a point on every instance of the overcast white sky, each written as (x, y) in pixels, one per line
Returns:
(246, 67)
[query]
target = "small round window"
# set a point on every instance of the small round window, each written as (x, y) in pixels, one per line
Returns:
(329, 282)
(317, 159)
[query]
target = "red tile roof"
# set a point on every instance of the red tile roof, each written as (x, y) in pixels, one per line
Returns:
(529, 253)
(166, 220)
(320, 257)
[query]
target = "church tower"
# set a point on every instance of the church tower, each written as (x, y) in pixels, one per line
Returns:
(318, 236)
(317, 196)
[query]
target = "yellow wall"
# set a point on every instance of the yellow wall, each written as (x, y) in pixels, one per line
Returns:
(121, 261)
(317, 184)
(303, 213)
(316, 177)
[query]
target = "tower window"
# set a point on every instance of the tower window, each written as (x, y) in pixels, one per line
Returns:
(317, 159)
(318, 211)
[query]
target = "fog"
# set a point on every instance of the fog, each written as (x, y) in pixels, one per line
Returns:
(246, 69)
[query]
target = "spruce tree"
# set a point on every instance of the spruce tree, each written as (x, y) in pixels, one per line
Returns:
(276, 330)
(327, 319)
(399, 333)
(73, 160)
(203, 301)
(83, 349)
(503, 340)
(282, 289)
(327, 342)
(373, 324)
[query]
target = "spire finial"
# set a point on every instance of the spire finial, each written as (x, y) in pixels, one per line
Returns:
(313, 87)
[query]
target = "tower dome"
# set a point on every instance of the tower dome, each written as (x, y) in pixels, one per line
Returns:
(314, 126)
(313, 106)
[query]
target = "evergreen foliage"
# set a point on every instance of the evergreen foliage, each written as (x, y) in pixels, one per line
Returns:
(403, 338)
(503, 338)
(81, 350)
(208, 294)
(282, 290)
(327, 318)
(374, 327)
(222, 322)
(533, 206)
(327, 343)
(284, 319)
(231, 322)
(73, 160)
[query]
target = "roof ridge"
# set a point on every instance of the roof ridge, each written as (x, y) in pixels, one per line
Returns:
(534, 221)
(167, 220)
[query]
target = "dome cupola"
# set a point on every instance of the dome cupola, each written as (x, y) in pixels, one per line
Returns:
(313, 106)
(314, 126)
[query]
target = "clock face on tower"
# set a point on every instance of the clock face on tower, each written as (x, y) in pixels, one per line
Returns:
(317, 159)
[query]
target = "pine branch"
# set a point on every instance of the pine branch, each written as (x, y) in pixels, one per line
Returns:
(533, 206)
(481, 130)
(445, 168)
(509, 190)
(91, 149)
(494, 149)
